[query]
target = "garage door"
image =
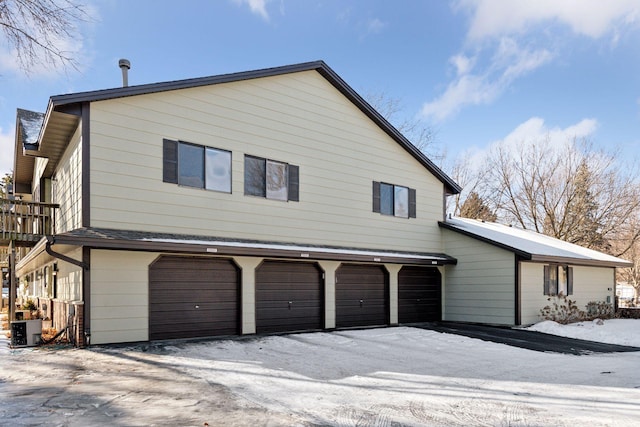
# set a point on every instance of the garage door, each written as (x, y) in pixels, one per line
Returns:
(289, 297)
(192, 297)
(419, 295)
(362, 296)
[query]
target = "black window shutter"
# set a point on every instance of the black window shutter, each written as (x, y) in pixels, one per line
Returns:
(547, 279)
(569, 280)
(294, 183)
(412, 203)
(376, 196)
(170, 161)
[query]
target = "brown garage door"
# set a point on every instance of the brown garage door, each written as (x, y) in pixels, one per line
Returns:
(419, 294)
(192, 297)
(362, 296)
(289, 297)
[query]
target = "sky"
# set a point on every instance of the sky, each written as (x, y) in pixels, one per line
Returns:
(476, 72)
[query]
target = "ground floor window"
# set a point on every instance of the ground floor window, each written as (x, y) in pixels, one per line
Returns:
(558, 280)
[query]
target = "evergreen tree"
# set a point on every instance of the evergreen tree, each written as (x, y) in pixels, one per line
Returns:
(475, 208)
(582, 212)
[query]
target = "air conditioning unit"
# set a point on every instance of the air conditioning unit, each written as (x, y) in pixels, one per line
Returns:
(26, 333)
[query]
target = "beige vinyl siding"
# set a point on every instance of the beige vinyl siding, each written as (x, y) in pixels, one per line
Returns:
(69, 278)
(481, 287)
(67, 187)
(589, 284)
(297, 118)
(38, 169)
(120, 296)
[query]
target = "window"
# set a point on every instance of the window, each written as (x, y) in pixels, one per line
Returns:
(196, 166)
(394, 200)
(270, 179)
(558, 279)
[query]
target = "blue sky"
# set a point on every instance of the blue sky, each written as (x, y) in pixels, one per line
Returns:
(475, 71)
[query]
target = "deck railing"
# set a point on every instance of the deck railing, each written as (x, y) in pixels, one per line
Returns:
(26, 221)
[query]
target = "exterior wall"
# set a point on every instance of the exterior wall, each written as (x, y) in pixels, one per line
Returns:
(589, 284)
(70, 279)
(119, 296)
(481, 287)
(39, 166)
(297, 118)
(67, 188)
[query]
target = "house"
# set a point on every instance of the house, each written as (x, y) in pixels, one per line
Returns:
(265, 201)
(505, 275)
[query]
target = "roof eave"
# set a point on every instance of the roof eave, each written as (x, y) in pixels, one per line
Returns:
(221, 249)
(526, 256)
(580, 261)
(22, 163)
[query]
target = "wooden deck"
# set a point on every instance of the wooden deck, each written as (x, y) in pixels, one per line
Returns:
(25, 223)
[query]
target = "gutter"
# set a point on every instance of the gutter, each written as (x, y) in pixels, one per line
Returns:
(50, 242)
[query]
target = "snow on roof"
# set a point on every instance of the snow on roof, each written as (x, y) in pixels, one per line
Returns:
(529, 242)
(303, 248)
(30, 125)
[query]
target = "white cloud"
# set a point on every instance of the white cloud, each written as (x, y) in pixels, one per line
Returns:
(508, 63)
(257, 7)
(463, 64)
(535, 129)
(591, 18)
(532, 131)
(7, 141)
(496, 35)
(375, 25)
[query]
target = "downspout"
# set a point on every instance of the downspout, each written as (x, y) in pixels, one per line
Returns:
(50, 242)
(518, 291)
(85, 267)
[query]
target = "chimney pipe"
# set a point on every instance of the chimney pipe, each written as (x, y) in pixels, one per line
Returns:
(125, 65)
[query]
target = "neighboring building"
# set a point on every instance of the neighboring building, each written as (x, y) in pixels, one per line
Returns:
(265, 201)
(505, 275)
(627, 294)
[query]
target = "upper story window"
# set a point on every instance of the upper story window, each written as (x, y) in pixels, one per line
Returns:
(196, 166)
(270, 179)
(395, 200)
(558, 279)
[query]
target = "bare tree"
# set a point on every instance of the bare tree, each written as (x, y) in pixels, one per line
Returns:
(472, 178)
(415, 130)
(569, 191)
(36, 30)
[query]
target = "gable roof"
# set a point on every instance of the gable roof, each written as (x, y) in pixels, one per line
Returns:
(61, 104)
(28, 125)
(531, 245)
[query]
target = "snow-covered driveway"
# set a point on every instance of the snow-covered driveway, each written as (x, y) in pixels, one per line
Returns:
(390, 376)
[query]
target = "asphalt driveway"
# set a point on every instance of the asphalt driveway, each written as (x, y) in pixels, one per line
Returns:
(530, 340)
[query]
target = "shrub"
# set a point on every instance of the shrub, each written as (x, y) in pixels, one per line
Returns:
(562, 310)
(629, 313)
(29, 305)
(599, 310)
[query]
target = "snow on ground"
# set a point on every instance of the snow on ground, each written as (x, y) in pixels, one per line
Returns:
(376, 377)
(613, 331)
